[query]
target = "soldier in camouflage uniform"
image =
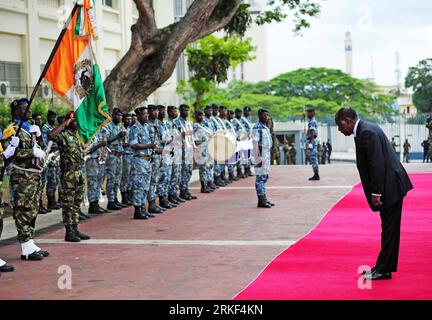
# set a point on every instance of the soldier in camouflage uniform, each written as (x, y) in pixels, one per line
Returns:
(25, 181)
(247, 124)
(217, 126)
(186, 130)
(226, 116)
(126, 184)
(176, 145)
(208, 123)
(116, 133)
(53, 168)
(4, 155)
(71, 176)
(155, 138)
(262, 143)
(94, 168)
(165, 170)
(140, 142)
(312, 143)
(241, 135)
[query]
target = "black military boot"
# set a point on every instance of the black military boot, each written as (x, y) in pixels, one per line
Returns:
(125, 200)
(172, 199)
(71, 236)
(240, 174)
(180, 199)
(164, 203)
(270, 203)
(218, 181)
(83, 216)
(148, 214)
(262, 202)
(153, 208)
(129, 198)
(224, 179)
(172, 204)
(52, 204)
(94, 208)
(316, 177)
(204, 188)
(42, 210)
(183, 195)
(213, 186)
(120, 204)
(81, 235)
(190, 195)
(232, 177)
(248, 172)
(114, 206)
(139, 215)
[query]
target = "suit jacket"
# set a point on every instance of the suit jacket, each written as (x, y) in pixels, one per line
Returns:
(380, 170)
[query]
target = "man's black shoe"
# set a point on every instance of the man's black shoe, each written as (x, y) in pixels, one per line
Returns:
(120, 204)
(70, 235)
(316, 177)
(7, 268)
(262, 202)
(94, 208)
(378, 275)
(190, 195)
(113, 206)
(32, 257)
(44, 253)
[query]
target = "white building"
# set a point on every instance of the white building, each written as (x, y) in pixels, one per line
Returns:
(29, 29)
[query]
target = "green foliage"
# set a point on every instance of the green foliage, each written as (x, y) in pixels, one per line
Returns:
(211, 59)
(288, 95)
(40, 106)
(276, 11)
(420, 79)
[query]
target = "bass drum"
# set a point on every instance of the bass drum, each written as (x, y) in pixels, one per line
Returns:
(222, 146)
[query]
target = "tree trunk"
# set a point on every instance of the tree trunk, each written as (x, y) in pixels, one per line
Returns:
(153, 54)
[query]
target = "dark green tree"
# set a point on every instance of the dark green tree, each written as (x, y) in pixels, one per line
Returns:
(419, 78)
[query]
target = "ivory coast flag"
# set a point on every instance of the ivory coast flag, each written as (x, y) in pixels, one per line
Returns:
(74, 74)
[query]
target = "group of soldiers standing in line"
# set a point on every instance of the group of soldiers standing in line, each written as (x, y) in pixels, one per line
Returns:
(143, 156)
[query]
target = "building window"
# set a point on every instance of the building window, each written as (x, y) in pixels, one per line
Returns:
(181, 72)
(110, 3)
(11, 72)
(178, 10)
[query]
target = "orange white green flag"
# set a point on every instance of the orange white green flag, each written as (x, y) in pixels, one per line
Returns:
(74, 74)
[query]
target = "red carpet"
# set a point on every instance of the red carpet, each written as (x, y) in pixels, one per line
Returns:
(324, 264)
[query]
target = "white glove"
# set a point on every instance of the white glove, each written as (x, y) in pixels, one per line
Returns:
(36, 129)
(15, 141)
(38, 152)
(310, 146)
(9, 152)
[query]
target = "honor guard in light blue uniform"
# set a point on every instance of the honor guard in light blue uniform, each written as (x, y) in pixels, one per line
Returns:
(208, 123)
(241, 136)
(94, 167)
(262, 144)
(156, 139)
(247, 124)
(175, 148)
(116, 135)
(202, 136)
(221, 119)
(312, 142)
(53, 168)
(217, 127)
(166, 138)
(140, 142)
(232, 162)
(126, 183)
(186, 130)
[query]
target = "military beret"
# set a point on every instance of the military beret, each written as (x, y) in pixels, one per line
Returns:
(160, 107)
(152, 107)
(237, 110)
(223, 108)
(172, 108)
(208, 108)
(310, 110)
(19, 102)
(184, 107)
(198, 113)
(51, 113)
(215, 106)
(247, 109)
(262, 110)
(126, 115)
(140, 109)
(231, 112)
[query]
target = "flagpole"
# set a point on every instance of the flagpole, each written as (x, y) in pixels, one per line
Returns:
(43, 74)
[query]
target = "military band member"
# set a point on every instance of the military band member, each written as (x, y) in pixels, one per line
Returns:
(241, 135)
(262, 143)
(53, 167)
(155, 138)
(226, 116)
(71, 176)
(166, 160)
(4, 156)
(186, 130)
(202, 135)
(208, 123)
(125, 184)
(116, 134)
(217, 127)
(247, 124)
(25, 181)
(174, 186)
(140, 142)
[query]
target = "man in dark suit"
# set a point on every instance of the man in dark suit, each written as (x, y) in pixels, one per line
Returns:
(385, 183)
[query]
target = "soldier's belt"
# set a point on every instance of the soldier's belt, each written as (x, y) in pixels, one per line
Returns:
(146, 157)
(26, 169)
(115, 153)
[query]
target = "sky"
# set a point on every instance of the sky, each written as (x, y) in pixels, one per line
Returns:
(379, 29)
